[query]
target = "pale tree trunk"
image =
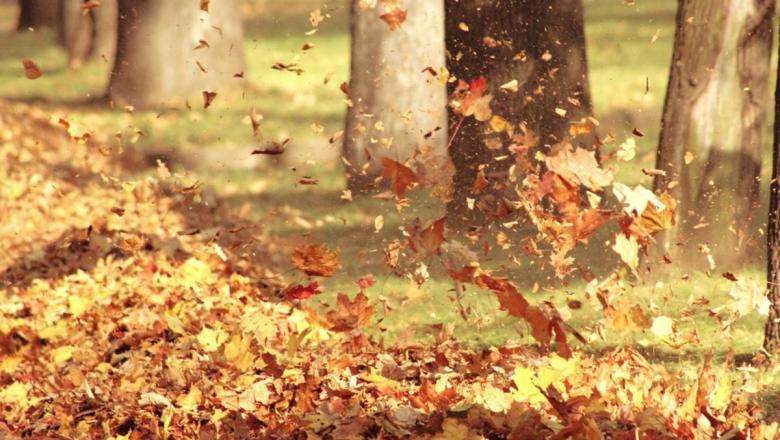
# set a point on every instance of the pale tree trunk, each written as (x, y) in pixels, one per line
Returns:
(156, 60)
(397, 97)
(719, 73)
(539, 44)
(91, 35)
(772, 330)
(37, 13)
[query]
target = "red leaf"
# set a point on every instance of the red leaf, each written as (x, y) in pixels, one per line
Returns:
(299, 291)
(208, 98)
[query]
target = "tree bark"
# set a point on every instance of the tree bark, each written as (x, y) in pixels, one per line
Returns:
(754, 54)
(539, 44)
(396, 99)
(90, 35)
(719, 72)
(772, 329)
(37, 13)
(156, 60)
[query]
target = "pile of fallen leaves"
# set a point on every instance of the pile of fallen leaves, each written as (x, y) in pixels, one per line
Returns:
(139, 307)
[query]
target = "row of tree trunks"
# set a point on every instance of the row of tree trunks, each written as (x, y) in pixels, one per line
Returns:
(719, 74)
(539, 44)
(396, 97)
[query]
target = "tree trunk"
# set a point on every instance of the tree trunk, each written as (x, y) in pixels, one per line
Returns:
(91, 35)
(539, 44)
(37, 13)
(754, 54)
(772, 330)
(156, 60)
(396, 99)
(718, 74)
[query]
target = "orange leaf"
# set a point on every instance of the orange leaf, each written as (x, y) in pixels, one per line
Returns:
(316, 260)
(394, 18)
(432, 237)
(349, 315)
(31, 70)
(401, 177)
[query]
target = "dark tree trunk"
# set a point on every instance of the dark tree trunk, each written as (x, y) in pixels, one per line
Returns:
(156, 60)
(37, 13)
(754, 53)
(395, 100)
(91, 35)
(772, 330)
(539, 44)
(720, 58)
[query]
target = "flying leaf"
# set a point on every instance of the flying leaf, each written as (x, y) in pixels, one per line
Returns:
(394, 18)
(628, 249)
(401, 177)
(208, 98)
(579, 166)
(432, 237)
(31, 70)
(349, 315)
(299, 291)
(316, 260)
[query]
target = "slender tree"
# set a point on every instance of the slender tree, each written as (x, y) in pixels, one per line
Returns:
(718, 75)
(772, 329)
(397, 99)
(37, 13)
(173, 49)
(541, 46)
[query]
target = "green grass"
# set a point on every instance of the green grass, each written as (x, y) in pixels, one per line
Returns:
(622, 59)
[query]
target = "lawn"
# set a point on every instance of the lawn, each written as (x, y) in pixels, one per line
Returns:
(629, 48)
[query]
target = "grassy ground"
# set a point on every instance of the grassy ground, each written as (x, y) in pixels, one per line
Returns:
(624, 58)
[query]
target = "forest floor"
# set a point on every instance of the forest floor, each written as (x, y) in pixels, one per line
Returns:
(629, 51)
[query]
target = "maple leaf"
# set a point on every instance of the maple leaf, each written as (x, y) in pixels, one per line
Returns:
(350, 315)
(473, 99)
(31, 70)
(394, 18)
(316, 260)
(401, 177)
(579, 166)
(299, 291)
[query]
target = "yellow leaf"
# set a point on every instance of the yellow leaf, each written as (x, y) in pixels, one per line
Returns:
(721, 395)
(195, 273)
(628, 249)
(499, 124)
(526, 383)
(77, 305)
(190, 401)
(62, 354)
(8, 365)
(212, 339)
(15, 394)
(237, 352)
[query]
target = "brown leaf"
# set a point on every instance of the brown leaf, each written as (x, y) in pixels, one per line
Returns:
(432, 237)
(579, 166)
(349, 315)
(208, 98)
(31, 70)
(401, 177)
(394, 18)
(204, 5)
(316, 260)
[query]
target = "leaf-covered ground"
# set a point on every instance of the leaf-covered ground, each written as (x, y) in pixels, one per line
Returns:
(140, 307)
